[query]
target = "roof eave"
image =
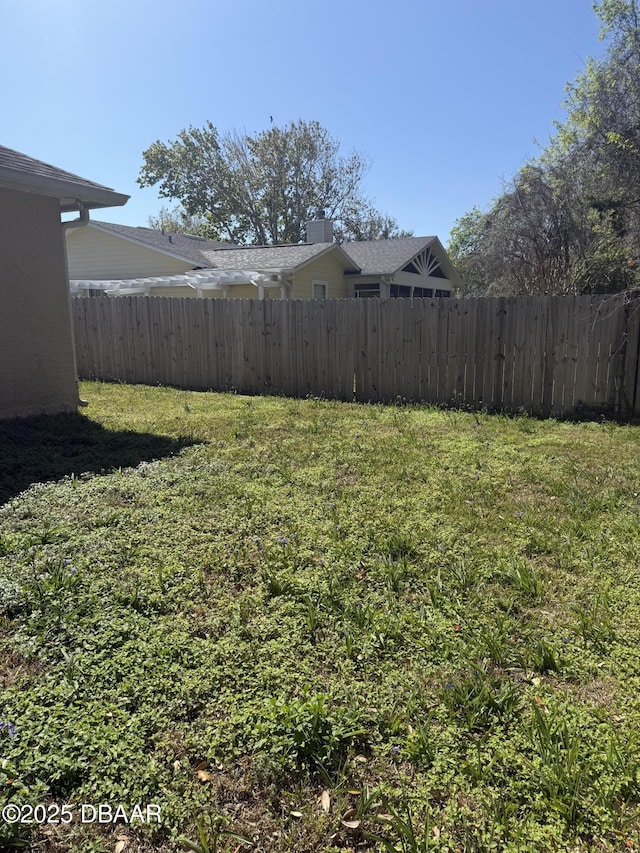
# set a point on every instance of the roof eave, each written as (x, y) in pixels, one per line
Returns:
(69, 193)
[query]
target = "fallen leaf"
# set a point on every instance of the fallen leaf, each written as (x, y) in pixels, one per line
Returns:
(296, 814)
(351, 824)
(354, 793)
(120, 846)
(348, 815)
(362, 759)
(457, 627)
(203, 765)
(204, 776)
(325, 801)
(436, 832)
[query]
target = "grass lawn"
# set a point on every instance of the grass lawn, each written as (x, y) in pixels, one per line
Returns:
(320, 626)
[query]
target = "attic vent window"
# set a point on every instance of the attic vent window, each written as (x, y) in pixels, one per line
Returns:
(425, 264)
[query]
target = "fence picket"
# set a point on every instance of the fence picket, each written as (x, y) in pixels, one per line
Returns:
(546, 355)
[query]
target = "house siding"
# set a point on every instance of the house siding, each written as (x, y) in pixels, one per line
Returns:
(37, 360)
(326, 268)
(237, 291)
(96, 255)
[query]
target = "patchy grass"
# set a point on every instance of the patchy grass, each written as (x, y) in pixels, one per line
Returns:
(319, 626)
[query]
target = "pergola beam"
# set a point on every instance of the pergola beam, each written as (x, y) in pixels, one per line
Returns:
(198, 280)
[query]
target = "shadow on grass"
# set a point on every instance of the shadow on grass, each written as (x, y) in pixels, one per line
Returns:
(41, 449)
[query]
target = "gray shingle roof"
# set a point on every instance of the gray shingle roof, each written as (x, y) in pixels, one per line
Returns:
(270, 257)
(21, 172)
(21, 162)
(188, 247)
(385, 257)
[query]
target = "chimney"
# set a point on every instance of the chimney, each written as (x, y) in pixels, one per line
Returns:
(319, 230)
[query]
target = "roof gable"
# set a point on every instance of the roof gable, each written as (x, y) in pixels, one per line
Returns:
(26, 174)
(388, 257)
(385, 257)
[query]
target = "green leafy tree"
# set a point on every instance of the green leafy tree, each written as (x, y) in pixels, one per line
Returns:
(569, 222)
(467, 252)
(263, 188)
(178, 221)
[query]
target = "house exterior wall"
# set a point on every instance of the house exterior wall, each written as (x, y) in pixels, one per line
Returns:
(236, 291)
(325, 268)
(174, 290)
(37, 360)
(94, 254)
(413, 280)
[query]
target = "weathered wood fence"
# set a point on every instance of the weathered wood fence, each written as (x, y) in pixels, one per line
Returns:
(550, 356)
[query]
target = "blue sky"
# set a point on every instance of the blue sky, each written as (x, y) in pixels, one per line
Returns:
(446, 98)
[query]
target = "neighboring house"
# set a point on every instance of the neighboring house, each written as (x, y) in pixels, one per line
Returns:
(412, 267)
(304, 271)
(122, 260)
(37, 357)
(107, 251)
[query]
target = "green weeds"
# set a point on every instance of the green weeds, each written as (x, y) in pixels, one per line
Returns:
(423, 639)
(307, 733)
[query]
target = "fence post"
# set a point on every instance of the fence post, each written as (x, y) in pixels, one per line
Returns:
(630, 391)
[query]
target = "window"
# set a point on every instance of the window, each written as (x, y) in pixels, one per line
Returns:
(367, 290)
(319, 289)
(400, 290)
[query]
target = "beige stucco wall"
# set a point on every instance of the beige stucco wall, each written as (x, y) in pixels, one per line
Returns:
(325, 268)
(37, 362)
(94, 254)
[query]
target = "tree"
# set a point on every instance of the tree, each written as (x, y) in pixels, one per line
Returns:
(178, 221)
(369, 224)
(262, 189)
(569, 221)
(467, 252)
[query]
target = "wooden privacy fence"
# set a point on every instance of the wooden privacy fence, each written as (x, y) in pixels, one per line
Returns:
(548, 355)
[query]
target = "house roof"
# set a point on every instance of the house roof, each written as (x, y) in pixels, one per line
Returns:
(275, 258)
(385, 257)
(184, 246)
(26, 174)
